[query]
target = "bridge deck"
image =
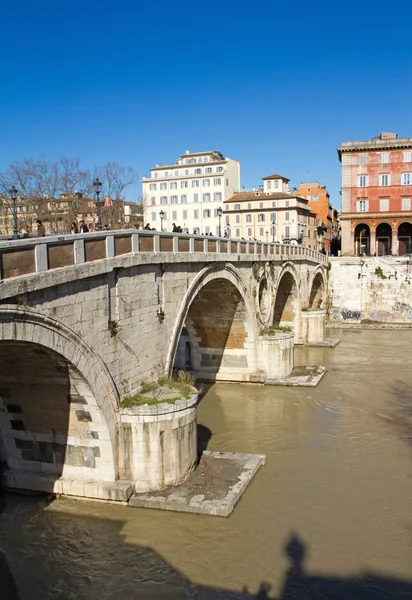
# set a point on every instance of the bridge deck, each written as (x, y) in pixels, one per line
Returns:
(33, 255)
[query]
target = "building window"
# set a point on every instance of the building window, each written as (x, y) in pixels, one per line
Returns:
(384, 180)
(217, 181)
(273, 217)
(406, 179)
(287, 216)
(237, 219)
(187, 172)
(219, 169)
(196, 214)
(174, 215)
(287, 232)
(176, 173)
(184, 184)
(206, 213)
(249, 206)
(184, 215)
(206, 159)
(195, 183)
(156, 175)
(237, 233)
(183, 199)
(362, 181)
(153, 216)
(249, 232)
(208, 170)
(384, 205)
(166, 174)
(315, 198)
(206, 197)
(198, 171)
(227, 181)
(173, 200)
(173, 185)
(163, 186)
(163, 199)
(195, 197)
(152, 187)
(217, 196)
(269, 185)
(237, 207)
(274, 204)
(207, 230)
(384, 157)
(260, 204)
(261, 231)
(287, 203)
(362, 206)
(261, 217)
(276, 183)
(406, 204)
(153, 200)
(407, 156)
(362, 159)
(206, 183)
(248, 218)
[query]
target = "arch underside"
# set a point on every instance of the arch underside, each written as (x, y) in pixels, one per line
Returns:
(216, 342)
(286, 312)
(317, 292)
(57, 421)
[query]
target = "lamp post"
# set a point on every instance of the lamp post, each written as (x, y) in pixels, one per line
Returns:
(97, 184)
(162, 216)
(13, 196)
(219, 214)
(267, 236)
(273, 232)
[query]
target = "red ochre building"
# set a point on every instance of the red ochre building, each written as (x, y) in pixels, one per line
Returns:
(376, 216)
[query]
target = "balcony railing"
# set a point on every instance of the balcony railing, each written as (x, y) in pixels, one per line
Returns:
(34, 255)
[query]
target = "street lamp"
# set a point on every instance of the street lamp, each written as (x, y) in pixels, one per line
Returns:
(267, 236)
(13, 196)
(219, 214)
(97, 184)
(273, 232)
(162, 216)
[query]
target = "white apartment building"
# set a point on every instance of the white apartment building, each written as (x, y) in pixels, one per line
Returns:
(190, 192)
(271, 213)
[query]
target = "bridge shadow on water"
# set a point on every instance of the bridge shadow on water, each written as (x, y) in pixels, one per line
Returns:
(55, 555)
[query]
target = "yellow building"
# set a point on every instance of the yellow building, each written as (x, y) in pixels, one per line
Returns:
(270, 213)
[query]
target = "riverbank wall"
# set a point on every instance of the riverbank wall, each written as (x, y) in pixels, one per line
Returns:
(370, 290)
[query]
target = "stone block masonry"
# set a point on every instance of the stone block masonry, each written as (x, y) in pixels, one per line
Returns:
(370, 290)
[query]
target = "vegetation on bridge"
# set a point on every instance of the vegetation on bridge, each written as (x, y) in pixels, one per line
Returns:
(156, 392)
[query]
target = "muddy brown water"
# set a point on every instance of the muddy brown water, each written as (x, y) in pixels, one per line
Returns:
(329, 516)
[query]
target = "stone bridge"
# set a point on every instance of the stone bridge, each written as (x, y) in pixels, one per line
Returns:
(85, 319)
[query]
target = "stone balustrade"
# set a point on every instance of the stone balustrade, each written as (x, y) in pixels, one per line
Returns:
(33, 255)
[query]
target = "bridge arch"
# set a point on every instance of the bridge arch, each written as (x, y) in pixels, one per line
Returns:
(214, 334)
(63, 408)
(287, 300)
(317, 289)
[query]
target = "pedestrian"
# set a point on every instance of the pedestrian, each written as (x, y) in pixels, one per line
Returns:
(175, 228)
(74, 228)
(105, 228)
(83, 227)
(41, 230)
(147, 226)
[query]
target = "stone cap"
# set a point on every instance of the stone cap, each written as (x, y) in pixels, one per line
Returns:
(161, 408)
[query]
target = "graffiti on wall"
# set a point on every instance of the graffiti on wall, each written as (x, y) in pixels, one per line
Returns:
(400, 312)
(348, 315)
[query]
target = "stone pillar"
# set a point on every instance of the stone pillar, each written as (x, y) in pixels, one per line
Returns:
(313, 326)
(158, 443)
(372, 248)
(275, 354)
(395, 243)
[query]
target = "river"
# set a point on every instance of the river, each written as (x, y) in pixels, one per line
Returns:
(329, 516)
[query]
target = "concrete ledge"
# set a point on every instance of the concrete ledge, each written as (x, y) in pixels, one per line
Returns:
(338, 324)
(117, 491)
(327, 343)
(301, 377)
(213, 489)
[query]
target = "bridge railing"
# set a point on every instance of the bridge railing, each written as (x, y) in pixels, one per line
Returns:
(33, 255)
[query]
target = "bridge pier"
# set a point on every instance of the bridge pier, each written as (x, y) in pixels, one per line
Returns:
(313, 325)
(276, 355)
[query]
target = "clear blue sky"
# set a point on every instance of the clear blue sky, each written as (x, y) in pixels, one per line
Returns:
(278, 84)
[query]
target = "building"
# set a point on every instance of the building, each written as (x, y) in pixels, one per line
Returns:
(376, 215)
(271, 213)
(319, 202)
(190, 192)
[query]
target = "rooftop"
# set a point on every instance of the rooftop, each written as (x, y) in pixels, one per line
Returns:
(260, 195)
(276, 176)
(384, 141)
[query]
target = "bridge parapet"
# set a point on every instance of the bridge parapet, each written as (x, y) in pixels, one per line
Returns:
(34, 255)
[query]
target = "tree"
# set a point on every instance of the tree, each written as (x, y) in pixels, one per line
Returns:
(59, 192)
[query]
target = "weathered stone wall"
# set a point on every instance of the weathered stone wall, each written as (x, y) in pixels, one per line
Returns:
(375, 289)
